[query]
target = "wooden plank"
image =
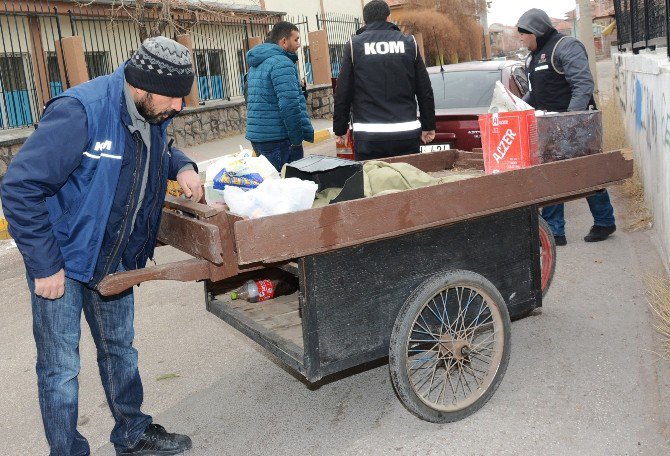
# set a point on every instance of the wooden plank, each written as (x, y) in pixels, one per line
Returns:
(195, 237)
(184, 271)
(282, 237)
(201, 210)
(285, 349)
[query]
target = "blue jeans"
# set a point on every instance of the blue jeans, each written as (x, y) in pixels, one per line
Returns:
(56, 327)
(599, 204)
(279, 152)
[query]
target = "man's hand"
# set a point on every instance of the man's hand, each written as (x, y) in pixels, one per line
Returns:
(341, 140)
(427, 136)
(190, 184)
(51, 287)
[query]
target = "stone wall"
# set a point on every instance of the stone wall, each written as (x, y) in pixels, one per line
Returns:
(643, 83)
(193, 126)
(208, 123)
(320, 103)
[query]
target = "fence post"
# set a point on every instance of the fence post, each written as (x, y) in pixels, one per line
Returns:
(39, 62)
(632, 6)
(191, 99)
(646, 24)
(71, 61)
(320, 57)
(254, 41)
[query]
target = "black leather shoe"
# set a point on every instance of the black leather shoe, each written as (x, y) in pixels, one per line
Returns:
(560, 240)
(599, 233)
(156, 441)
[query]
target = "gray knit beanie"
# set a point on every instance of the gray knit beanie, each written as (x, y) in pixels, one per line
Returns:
(161, 66)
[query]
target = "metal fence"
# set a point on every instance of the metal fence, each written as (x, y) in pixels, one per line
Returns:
(31, 74)
(642, 24)
(29, 71)
(339, 28)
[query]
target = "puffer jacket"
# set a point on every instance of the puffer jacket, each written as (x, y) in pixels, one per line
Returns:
(276, 107)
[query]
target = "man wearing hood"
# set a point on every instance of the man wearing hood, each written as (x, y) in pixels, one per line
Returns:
(560, 80)
(381, 79)
(277, 121)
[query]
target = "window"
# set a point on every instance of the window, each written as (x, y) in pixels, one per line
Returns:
(15, 100)
(209, 65)
(53, 73)
(463, 89)
(97, 63)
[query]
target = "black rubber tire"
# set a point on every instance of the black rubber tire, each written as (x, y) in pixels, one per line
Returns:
(403, 326)
(544, 226)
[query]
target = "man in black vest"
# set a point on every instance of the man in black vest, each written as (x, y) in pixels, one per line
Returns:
(381, 79)
(559, 79)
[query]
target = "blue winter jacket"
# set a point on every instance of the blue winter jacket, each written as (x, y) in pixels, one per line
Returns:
(276, 107)
(71, 192)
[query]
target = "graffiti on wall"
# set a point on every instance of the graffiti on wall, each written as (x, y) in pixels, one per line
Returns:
(652, 114)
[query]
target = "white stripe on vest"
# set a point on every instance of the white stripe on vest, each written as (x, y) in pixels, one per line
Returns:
(387, 128)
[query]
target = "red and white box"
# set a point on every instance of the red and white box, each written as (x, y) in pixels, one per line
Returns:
(509, 140)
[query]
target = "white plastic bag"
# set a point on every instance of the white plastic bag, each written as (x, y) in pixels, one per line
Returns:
(271, 197)
(505, 101)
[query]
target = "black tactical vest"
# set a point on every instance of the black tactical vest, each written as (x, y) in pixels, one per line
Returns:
(384, 102)
(550, 89)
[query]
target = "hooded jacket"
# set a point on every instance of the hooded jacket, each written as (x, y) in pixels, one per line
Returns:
(558, 70)
(276, 107)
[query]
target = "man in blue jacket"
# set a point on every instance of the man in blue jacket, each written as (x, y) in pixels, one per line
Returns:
(277, 121)
(83, 198)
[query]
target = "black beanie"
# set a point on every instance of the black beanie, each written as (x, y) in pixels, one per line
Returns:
(161, 66)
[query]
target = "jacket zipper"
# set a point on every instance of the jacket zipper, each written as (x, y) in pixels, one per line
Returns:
(153, 207)
(138, 159)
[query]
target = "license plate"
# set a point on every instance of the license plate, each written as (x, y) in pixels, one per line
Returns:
(435, 147)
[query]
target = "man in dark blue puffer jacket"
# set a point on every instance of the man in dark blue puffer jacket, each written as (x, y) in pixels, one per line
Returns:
(83, 198)
(277, 121)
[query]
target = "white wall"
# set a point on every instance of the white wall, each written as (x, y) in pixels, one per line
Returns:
(644, 89)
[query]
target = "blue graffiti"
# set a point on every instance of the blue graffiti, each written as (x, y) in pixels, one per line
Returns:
(638, 104)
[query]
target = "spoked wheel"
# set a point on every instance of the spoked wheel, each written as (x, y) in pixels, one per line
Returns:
(547, 254)
(450, 346)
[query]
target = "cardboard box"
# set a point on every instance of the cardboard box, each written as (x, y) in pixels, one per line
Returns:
(330, 172)
(509, 140)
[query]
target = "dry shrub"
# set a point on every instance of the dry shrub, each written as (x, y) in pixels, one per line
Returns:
(614, 131)
(638, 217)
(658, 296)
(450, 34)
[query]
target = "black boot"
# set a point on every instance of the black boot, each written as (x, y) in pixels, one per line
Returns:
(599, 233)
(560, 240)
(156, 441)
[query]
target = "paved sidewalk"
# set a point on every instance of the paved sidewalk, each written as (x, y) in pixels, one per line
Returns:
(202, 153)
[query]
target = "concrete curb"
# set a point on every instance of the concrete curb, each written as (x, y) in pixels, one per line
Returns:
(4, 233)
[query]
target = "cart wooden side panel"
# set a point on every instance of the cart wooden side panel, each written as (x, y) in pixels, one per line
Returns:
(281, 237)
(352, 296)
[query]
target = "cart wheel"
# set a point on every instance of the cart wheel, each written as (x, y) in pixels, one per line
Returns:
(450, 346)
(547, 254)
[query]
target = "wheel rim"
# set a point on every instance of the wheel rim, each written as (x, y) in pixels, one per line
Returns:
(455, 348)
(546, 258)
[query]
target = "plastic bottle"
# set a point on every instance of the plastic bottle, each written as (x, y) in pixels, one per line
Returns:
(262, 290)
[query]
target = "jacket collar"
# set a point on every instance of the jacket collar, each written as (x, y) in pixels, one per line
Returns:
(378, 25)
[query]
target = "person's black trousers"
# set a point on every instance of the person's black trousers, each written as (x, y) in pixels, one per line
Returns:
(372, 150)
